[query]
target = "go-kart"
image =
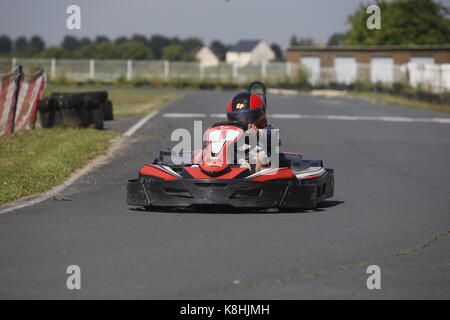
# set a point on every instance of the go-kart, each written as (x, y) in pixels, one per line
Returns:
(211, 178)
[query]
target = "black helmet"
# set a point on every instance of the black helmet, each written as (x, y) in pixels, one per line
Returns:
(247, 108)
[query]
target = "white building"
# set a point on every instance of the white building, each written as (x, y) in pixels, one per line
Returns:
(207, 58)
(250, 52)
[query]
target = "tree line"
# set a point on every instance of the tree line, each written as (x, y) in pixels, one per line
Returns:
(136, 47)
(403, 22)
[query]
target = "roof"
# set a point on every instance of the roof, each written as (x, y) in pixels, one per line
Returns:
(370, 48)
(245, 45)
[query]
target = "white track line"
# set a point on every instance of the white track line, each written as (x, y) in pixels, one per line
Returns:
(218, 115)
(139, 124)
(27, 202)
(184, 115)
(361, 118)
(287, 116)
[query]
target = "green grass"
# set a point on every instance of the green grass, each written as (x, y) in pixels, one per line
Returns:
(401, 101)
(138, 103)
(34, 161)
(130, 102)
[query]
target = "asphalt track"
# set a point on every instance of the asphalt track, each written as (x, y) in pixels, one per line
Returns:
(391, 208)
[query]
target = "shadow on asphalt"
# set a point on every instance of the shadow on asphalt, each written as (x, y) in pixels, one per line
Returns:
(228, 210)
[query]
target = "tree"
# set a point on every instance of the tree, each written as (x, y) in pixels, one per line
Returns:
(305, 42)
(102, 50)
(141, 39)
(219, 49)
(301, 41)
(294, 40)
(120, 40)
(191, 44)
(37, 44)
(157, 44)
(403, 22)
(134, 50)
(85, 42)
(53, 53)
(100, 39)
(336, 39)
(20, 45)
(278, 51)
(173, 52)
(70, 43)
(6, 44)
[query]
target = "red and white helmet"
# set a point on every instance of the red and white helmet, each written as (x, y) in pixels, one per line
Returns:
(247, 108)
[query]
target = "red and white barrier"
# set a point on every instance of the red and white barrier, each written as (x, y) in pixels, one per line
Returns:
(8, 88)
(26, 90)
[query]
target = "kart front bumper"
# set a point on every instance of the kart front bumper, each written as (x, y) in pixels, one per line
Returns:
(185, 193)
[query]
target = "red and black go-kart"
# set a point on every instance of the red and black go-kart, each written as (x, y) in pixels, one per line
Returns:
(212, 181)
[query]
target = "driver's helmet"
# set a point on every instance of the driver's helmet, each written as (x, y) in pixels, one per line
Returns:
(247, 108)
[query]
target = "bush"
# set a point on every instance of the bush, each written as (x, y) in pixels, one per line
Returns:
(301, 76)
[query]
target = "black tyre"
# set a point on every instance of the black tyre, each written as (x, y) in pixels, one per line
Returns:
(57, 118)
(47, 104)
(98, 118)
(68, 100)
(72, 118)
(108, 110)
(46, 119)
(100, 96)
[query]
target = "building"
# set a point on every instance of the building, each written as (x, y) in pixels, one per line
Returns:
(207, 58)
(346, 64)
(250, 52)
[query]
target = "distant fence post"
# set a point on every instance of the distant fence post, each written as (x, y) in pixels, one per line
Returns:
(263, 70)
(91, 69)
(166, 70)
(201, 71)
(53, 69)
(289, 69)
(235, 73)
(17, 79)
(129, 70)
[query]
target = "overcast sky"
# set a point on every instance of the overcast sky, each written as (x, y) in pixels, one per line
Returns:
(228, 21)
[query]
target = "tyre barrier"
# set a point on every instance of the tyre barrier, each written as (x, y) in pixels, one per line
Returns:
(76, 110)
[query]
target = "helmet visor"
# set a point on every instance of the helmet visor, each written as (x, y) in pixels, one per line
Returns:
(246, 117)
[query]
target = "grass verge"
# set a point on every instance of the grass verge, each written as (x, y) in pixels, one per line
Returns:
(401, 101)
(129, 102)
(139, 103)
(34, 161)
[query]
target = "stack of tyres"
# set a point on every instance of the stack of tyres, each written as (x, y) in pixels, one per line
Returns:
(108, 110)
(76, 110)
(49, 113)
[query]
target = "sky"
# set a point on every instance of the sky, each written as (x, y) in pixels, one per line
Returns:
(226, 20)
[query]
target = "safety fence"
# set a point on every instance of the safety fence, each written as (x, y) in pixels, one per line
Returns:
(19, 96)
(432, 77)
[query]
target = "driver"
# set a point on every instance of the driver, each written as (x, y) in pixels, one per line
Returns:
(250, 111)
